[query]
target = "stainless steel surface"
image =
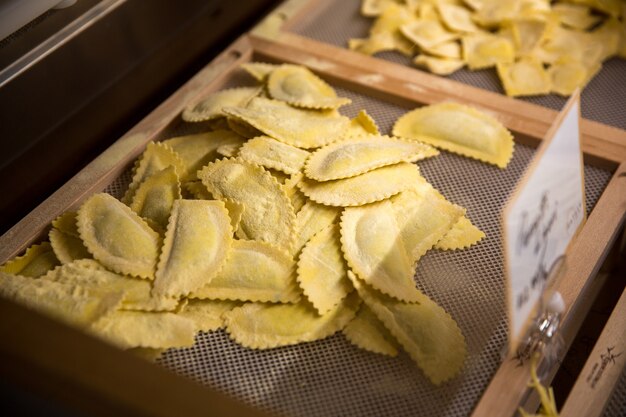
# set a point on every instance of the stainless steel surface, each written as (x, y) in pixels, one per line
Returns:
(57, 40)
(333, 378)
(603, 100)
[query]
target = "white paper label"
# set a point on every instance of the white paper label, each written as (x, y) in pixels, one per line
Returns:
(542, 217)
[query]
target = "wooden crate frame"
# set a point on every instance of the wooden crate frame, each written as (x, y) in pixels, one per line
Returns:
(113, 380)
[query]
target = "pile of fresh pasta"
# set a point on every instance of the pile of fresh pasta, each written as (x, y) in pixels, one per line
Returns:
(537, 46)
(286, 222)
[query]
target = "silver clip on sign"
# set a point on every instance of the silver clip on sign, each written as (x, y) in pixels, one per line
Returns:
(543, 336)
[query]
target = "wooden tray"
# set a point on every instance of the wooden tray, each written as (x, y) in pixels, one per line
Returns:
(107, 379)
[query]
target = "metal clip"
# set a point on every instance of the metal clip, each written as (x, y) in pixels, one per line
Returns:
(543, 336)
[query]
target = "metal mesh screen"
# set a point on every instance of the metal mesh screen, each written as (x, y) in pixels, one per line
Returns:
(603, 100)
(331, 377)
(616, 407)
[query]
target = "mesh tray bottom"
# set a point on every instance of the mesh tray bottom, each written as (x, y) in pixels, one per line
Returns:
(603, 100)
(331, 377)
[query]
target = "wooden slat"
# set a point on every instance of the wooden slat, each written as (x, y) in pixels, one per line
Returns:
(509, 386)
(113, 161)
(605, 145)
(604, 366)
(86, 374)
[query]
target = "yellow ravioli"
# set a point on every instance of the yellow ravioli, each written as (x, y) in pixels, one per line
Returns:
(67, 247)
(459, 129)
(207, 314)
(457, 18)
(132, 329)
(198, 190)
(155, 158)
(427, 33)
(424, 330)
(71, 304)
(264, 326)
(370, 187)
(155, 196)
(388, 24)
(268, 214)
(259, 70)
(451, 50)
(424, 217)
(293, 192)
(311, 219)
(495, 12)
(372, 245)
(440, 66)
(462, 235)
(235, 212)
(568, 75)
(242, 127)
(486, 50)
(322, 271)
(90, 274)
(528, 34)
(254, 271)
(367, 332)
(526, 77)
(359, 155)
(297, 127)
(377, 42)
(299, 87)
(197, 150)
(229, 150)
(575, 16)
(117, 237)
(271, 153)
(66, 223)
(373, 8)
(36, 261)
(211, 107)
(197, 241)
(362, 124)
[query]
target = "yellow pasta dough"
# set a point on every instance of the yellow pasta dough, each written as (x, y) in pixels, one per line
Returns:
(375, 185)
(356, 156)
(271, 153)
(197, 241)
(211, 107)
(526, 77)
(268, 214)
(36, 261)
(195, 151)
(298, 127)
(456, 18)
(462, 235)
(90, 274)
(131, 329)
(67, 247)
(71, 304)
(311, 219)
(459, 129)
(155, 158)
(427, 33)
(155, 196)
(117, 237)
(423, 217)
(372, 245)
(441, 66)
(264, 326)
(322, 272)
(254, 271)
(424, 330)
(367, 332)
(299, 87)
(486, 50)
(207, 314)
